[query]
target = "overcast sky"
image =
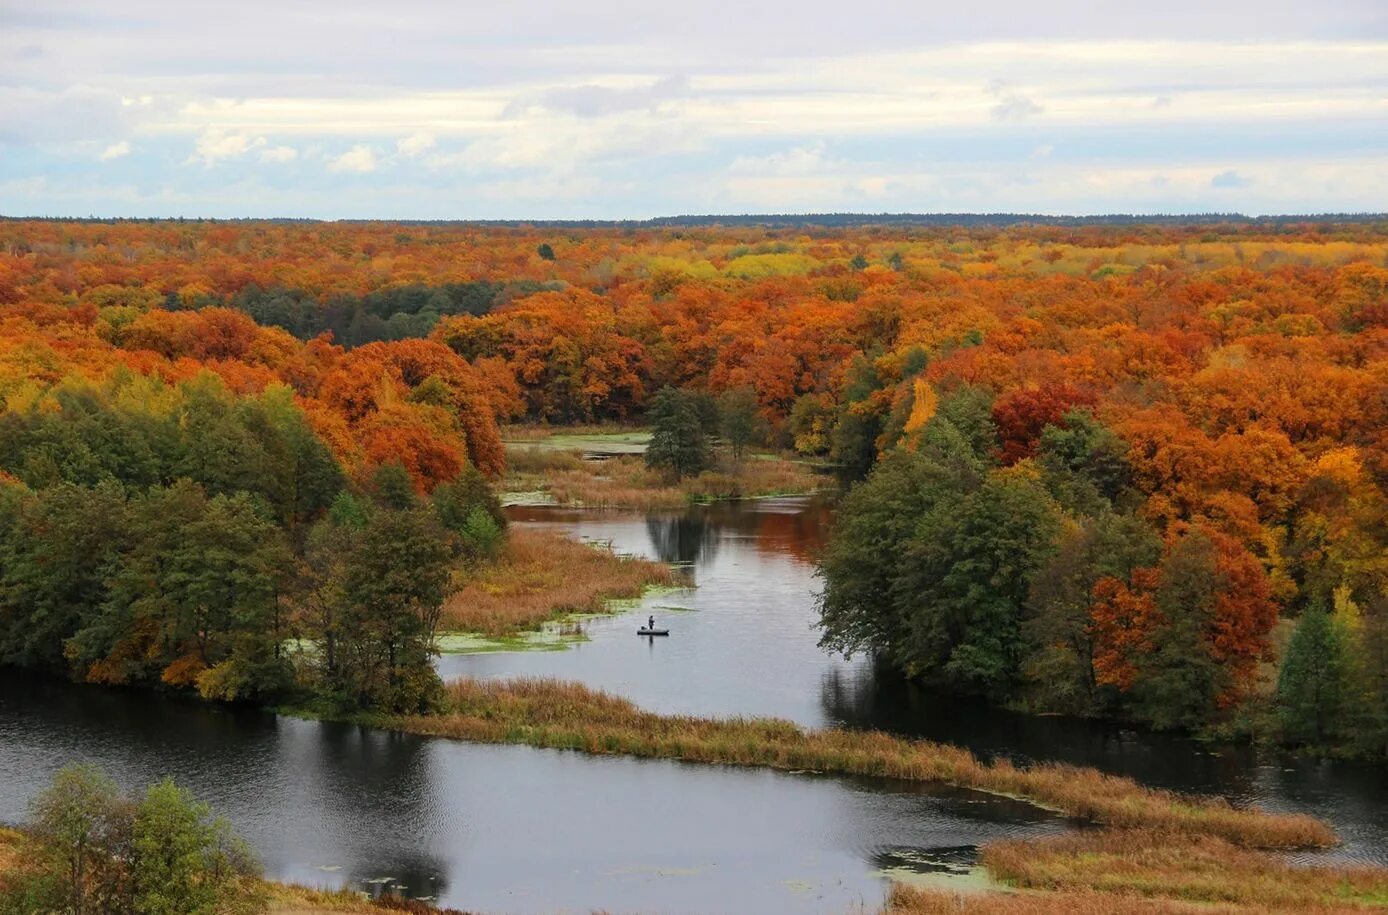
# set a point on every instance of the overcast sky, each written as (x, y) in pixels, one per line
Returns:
(620, 109)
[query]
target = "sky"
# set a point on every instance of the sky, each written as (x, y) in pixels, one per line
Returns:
(614, 109)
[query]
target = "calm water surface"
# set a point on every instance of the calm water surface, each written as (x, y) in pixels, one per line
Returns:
(522, 830)
(747, 645)
(509, 829)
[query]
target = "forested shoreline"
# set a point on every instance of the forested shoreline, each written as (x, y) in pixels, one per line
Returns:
(1130, 470)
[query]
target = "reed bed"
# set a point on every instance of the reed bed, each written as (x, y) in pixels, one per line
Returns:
(11, 851)
(548, 713)
(909, 900)
(1194, 868)
(292, 899)
(624, 481)
(541, 575)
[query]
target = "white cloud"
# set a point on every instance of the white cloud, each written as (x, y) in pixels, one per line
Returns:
(215, 145)
(1015, 108)
(415, 144)
(115, 151)
(1043, 151)
(801, 160)
(1230, 179)
(279, 154)
(592, 100)
(357, 159)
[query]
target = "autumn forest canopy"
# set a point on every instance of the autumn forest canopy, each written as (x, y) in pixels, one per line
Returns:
(1136, 470)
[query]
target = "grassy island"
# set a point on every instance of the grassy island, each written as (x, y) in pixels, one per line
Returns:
(541, 575)
(547, 713)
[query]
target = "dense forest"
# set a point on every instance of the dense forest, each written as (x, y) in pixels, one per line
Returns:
(1132, 470)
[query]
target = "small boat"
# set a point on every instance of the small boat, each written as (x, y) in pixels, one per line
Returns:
(644, 631)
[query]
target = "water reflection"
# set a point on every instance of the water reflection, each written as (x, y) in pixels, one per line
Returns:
(683, 539)
(750, 647)
(500, 828)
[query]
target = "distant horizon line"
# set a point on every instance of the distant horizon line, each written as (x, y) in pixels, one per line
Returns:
(774, 220)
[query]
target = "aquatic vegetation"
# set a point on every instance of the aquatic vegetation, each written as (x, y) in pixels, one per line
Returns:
(548, 713)
(540, 576)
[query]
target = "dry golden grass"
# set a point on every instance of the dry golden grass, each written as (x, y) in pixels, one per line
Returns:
(527, 467)
(1148, 871)
(625, 481)
(1199, 868)
(909, 900)
(11, 851)
(289, 899)
(548, 713)
(542, 574)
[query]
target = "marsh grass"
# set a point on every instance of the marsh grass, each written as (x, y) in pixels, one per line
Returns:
(1202, 868)
(548, 713)
(624, 481)
(13, 852)
(542, 575)
(909, 900)
(1148, 871)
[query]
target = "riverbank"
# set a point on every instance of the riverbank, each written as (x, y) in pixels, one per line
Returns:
(546, 713)
(1150, 872)
(541, 576)
(273, 898)
(559, 468)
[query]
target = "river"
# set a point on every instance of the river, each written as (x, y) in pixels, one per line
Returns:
(523, 830)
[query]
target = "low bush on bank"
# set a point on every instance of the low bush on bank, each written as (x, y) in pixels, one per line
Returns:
(540, 575)
(89, 849)
(549, 713)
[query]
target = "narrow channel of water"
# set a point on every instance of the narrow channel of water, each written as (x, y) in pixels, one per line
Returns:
(510, 829)
(522, 830)
(746, 644)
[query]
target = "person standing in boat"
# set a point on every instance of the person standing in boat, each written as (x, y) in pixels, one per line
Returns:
(650, 623)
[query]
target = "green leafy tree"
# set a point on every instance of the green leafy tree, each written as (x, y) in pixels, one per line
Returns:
(545, 251)
(1086, 464)
(393, 486)
(1180, 679)
(84, 830)
(874, 522)
(393, 586)
(185, 861)
(969, 409)
(54, 561)
(1311, 682)
(964, 580)
(738, 419)
(456, 500)
(679, 442)
(853, 441)
(1059, 630)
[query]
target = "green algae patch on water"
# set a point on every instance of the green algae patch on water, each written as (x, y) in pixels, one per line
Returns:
(931, 869)
(550, 638)
(596, 442)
